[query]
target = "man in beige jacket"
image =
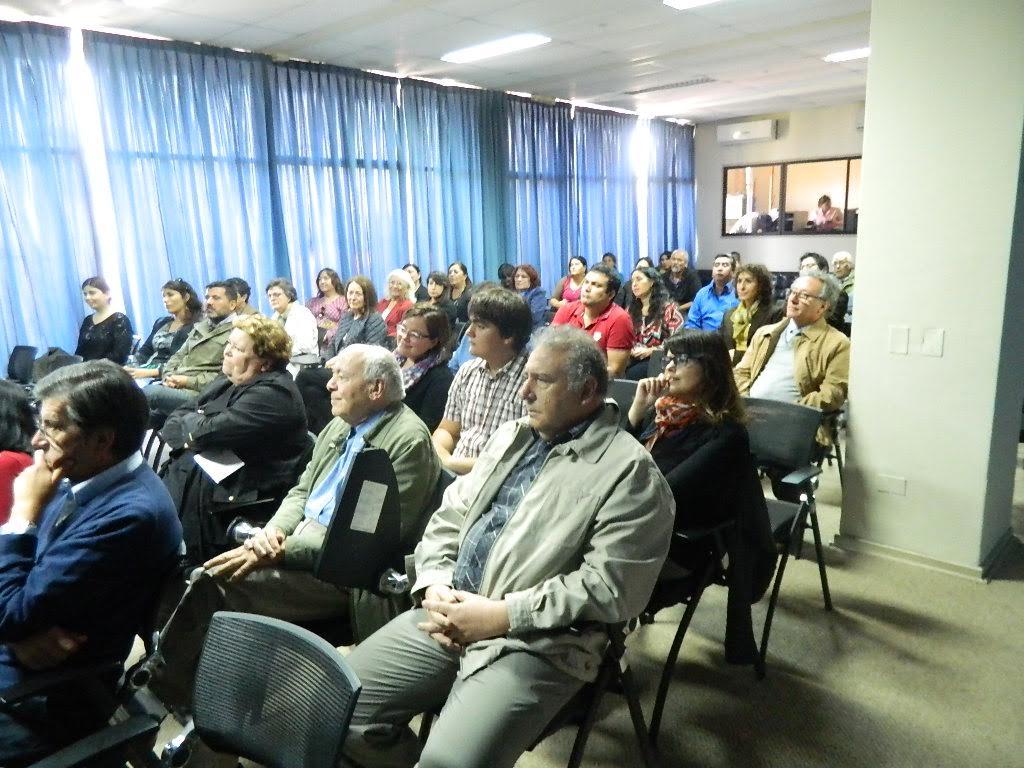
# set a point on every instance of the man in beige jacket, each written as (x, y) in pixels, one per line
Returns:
(561, 526)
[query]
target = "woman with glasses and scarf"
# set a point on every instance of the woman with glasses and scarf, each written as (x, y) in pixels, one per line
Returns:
(422, 353)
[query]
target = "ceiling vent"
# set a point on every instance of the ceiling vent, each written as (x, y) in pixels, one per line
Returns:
(673, 86)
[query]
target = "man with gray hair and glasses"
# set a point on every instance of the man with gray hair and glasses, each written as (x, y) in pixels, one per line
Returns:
(272, 572)
(92, 534)
(801, 359)
(561, 526)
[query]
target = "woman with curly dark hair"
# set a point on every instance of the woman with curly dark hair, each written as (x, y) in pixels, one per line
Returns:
(655, 318)
(754, 290)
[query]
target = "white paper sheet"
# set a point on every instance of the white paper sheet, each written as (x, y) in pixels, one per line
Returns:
(219, 463)
(369, 506)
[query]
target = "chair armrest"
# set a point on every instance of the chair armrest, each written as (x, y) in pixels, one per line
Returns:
(45, 682)
(85, 752)
(801, 476)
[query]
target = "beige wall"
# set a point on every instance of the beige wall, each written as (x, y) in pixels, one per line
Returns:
(932, 440)
(804, 135)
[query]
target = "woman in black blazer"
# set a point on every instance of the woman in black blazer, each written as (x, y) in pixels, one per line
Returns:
(754, 290)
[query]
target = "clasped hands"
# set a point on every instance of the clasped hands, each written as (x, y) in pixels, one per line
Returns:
(261, 550)
(456, 618)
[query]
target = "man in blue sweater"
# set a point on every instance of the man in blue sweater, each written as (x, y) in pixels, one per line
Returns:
(92, 533)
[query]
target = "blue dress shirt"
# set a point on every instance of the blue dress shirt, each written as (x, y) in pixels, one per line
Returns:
(709, 308)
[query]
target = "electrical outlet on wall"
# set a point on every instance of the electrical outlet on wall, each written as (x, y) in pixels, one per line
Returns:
(932, 341)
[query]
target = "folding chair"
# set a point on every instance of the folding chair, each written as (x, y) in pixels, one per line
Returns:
(782, 438)
(622, 392)
(270, 692)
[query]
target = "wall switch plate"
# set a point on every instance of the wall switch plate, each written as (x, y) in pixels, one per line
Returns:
(897, 486)
(899, 339)
(932, 340)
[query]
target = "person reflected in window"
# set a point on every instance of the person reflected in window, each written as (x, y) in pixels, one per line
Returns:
(827, 218)
(169, 332)
(104, 334)
(754, 291)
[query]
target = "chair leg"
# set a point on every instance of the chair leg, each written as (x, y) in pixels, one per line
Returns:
(797, 525)
(669, 668)
(636, 712)
(826, 594)
(579, 744)
(839, 457)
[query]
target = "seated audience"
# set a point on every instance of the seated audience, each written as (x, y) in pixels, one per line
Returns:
(837, 315)
(800, 359)
(243, 290)
(17, 423)
(298, 322)
(826, 218)
(643, 262)
(460, 290)
(654, 317)
(568, 289)
(422, 354)
(714, 299)
(561, 527)
(439, 295)
(327, 307)
(272, 573)
(665, 265)
(401, 292)
(737, 260)
(612, 263)
(483, 395)
(842, 266)
(361, 324)
(597, 314)
(420, 293)
(91, 535)
(527, 282)
(754, 291)
(681, 280)
(198, 361)
(105, 334)
(169, 332)
(255, 412)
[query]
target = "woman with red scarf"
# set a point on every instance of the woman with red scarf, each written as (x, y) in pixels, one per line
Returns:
(690, 417)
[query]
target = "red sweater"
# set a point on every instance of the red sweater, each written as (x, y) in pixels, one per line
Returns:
(11, 464)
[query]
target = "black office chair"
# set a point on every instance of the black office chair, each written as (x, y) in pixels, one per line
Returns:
(270, 692)
(613, 674)
(622, 392)
(19, 364)
(782, 439)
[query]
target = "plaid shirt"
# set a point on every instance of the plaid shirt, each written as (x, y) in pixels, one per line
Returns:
(480, 402)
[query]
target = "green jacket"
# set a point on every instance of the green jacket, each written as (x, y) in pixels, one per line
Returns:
(584, 547)
(200, 357)
(405, 438)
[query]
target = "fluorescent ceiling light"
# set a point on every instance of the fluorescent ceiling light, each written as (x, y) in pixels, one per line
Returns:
(856, 53)
(495, 48)
(685, 5)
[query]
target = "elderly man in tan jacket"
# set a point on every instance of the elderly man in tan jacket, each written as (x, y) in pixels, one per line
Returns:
(561, 526)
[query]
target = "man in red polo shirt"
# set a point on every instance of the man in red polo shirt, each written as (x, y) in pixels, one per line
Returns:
(597, 313)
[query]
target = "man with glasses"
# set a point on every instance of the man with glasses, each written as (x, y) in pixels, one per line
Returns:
(801, 359)
(483, 395)
(91, 535)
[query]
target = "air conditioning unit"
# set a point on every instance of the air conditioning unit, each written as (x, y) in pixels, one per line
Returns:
(740, 133)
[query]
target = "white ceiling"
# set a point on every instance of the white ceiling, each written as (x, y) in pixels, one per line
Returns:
(763, 55)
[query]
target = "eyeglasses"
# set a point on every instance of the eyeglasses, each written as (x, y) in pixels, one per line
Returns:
(675, 361)
(411, 335)
(802, 296)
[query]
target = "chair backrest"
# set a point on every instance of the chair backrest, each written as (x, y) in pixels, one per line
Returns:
(273, 693)
(655, 360)
(781, 434)
(622, 392)
(19, 364)
(364, 537)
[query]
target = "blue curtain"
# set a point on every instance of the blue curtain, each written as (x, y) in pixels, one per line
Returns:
(540, 175)
(47, 245)
(606, 201)
(185, 137)
(453, 139)
(671, 214)
(337, 155)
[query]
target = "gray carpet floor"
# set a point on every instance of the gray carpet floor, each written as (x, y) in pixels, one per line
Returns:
(912, 668)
